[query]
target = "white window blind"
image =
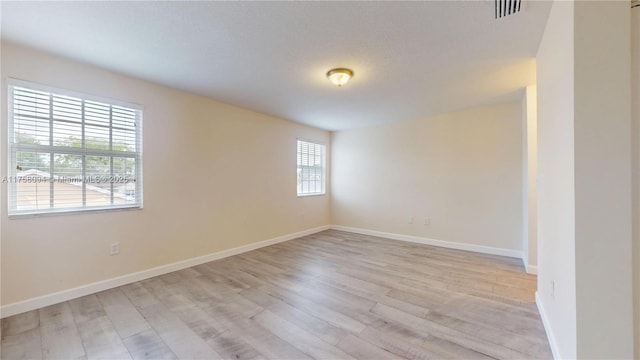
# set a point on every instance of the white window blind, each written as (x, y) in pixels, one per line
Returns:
(311, 168)
(70, 152)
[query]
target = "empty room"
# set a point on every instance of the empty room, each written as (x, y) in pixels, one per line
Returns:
(320, 180)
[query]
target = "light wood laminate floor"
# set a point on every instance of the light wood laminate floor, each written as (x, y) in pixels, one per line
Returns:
(331, 295)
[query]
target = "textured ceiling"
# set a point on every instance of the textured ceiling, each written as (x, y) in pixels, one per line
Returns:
(411, 59)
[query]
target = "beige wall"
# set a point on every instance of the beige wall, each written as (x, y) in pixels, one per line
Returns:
(584, 172)
(635, 116)
(215, 177)
(461, 170)
(602, 124)
(529, 179)
(556, 202)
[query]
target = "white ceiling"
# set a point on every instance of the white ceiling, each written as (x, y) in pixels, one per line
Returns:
(411, 59)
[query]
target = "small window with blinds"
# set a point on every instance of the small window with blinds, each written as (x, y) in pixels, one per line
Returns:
(311, 168)
(70, 152)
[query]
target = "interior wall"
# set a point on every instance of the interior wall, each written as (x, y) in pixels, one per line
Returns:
(460, 170)
(584, 189)
(529, 179)
(215, 177)
(556, 189)
(603, 250)
(635, 116)
(2, 136)
(525, 184)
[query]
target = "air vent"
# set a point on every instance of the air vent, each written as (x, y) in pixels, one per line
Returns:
(507, 7)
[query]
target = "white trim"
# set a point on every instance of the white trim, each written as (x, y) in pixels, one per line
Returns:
(69, 294)
(547, 328)
(433, 242)
(531, 269)
(71, 93)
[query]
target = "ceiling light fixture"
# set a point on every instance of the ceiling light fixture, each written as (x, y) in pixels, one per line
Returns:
(339, 76)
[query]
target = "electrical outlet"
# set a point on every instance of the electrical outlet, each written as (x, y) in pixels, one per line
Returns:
(410, 220)
(426, 221)
(114, 249)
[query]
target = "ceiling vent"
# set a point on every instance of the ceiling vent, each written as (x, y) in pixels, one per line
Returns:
(507, 7)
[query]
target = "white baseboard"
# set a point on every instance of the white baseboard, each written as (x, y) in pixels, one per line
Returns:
(547, 328)
(426, 241)
(531, 269)
(69, 294)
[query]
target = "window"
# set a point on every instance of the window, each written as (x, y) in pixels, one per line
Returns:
(70, 152)
(311, 168)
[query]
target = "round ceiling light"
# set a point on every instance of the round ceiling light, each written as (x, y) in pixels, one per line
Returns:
(339, 76)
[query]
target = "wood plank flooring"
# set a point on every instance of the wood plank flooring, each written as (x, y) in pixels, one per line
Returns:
(331, 295)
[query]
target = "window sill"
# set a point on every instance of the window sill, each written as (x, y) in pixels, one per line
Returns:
(72, 212)
(307, 195)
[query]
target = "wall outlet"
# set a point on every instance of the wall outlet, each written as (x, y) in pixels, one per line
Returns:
(410, 220)
(114, 249)
(426, 221)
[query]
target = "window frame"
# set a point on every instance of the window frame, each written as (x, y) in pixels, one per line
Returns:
(13, 148)
(323, 180)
